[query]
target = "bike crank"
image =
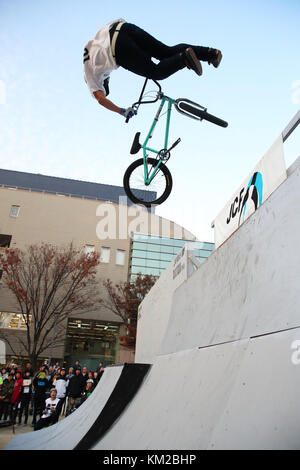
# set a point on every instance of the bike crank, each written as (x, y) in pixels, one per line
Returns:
(165, 154)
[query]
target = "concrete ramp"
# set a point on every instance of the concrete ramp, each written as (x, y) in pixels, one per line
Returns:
(237, 395)
(225, 374)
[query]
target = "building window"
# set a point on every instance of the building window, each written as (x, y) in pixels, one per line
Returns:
(14, 211)
(89, 249)
(151, 255)
(93, 341)
(120, 257)
(5, 241)
(105, 255)
(12, 321)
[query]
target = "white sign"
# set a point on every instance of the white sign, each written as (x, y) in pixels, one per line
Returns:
(268, 174)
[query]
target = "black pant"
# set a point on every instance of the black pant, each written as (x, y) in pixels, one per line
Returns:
(5, 410)
(25, 400)
(134, 49)
(38, 407)
(44, 422)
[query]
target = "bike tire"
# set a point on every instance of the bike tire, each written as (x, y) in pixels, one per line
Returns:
(203, 115)
(137, 195)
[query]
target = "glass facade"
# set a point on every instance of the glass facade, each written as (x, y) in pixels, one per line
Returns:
(91, 341)
(151, 255)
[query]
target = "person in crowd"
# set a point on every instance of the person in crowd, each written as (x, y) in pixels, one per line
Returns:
(41, 369)
(100, 370)
(51, 412)
(91, 374)
(95, 378)
(4, 373)
(70, 373)
(25, 397)
(16, 396)
(85, 373)
(28, 367)
(61, 384)
(56, 374)
(7, 390)
(50, 374)
(41, 385)
(74, 390)
(76, 365)
(88, 390)
(12, 371)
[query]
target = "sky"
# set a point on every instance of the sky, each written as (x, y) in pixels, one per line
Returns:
(51, 125)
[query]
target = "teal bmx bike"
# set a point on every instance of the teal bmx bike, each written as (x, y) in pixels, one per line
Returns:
(148, 181)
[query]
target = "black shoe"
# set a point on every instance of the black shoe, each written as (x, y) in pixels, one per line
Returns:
(217, 59)
(191, 61)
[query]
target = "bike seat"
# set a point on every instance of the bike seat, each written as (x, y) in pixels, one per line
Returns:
(135, 144)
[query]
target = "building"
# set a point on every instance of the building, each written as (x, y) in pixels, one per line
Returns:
(37, 208)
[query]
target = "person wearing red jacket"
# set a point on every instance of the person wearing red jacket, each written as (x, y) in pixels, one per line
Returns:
(15, 398)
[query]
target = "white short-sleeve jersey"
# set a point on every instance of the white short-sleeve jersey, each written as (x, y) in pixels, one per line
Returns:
(98, 60)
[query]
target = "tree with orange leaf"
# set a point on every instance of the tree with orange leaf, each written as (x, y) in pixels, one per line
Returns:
(49, 283)
(124, 300)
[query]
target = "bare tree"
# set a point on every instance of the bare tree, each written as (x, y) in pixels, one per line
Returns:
(48, 283)
(124, 300)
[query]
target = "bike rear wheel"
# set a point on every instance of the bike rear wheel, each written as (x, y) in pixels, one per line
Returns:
(156, 192)
(203, 114)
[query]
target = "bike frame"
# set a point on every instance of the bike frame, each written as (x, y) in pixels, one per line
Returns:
(170, 102)
(164, 153)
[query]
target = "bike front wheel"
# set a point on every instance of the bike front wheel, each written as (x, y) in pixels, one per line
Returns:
(138, 191)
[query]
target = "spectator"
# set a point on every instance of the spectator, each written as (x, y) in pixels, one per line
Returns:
(41, 369)
(74, 390)
(28, 368)
(61, 384)
(16, 396)
(96, 378)
(25, 397)
(50, 373)
(41, 384)
(88, 390)
(76, 365)
(70, 373)
(5, 396)
(55, 375)
(100, 370)
(91, 374)
(85, 373)
(51, 412)
(4, 373)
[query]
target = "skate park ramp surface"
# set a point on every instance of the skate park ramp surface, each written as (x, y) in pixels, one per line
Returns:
(227, 370)
(116, 387)
(226, 367)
